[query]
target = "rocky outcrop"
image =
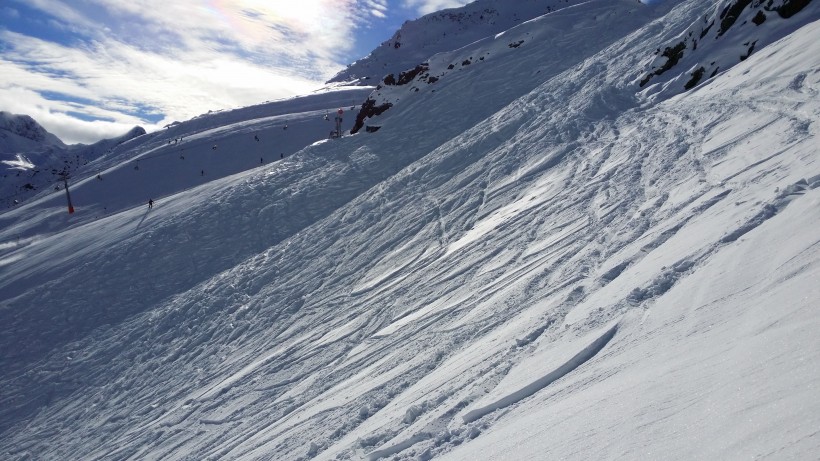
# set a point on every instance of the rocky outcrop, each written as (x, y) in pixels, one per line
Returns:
(734, 24)
(369, 109)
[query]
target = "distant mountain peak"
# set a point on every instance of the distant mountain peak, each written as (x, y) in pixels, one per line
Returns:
(131, 134)
(25, 127)
(28, 152)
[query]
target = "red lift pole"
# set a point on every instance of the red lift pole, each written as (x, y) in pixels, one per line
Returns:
(67, 195)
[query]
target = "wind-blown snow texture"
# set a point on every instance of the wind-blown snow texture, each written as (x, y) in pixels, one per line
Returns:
(534, 257)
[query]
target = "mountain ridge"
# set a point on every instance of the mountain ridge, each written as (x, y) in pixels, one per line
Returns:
(21, 132)
(419, 39)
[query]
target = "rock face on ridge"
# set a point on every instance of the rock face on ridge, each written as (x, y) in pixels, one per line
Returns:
(728, 34)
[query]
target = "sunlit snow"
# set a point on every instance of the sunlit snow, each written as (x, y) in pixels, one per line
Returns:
(532, 258)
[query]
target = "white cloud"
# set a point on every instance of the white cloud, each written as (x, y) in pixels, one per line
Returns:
(377, 8)
(177, 58)
(115, 80)
(428, 6)
(378, 5)
(53, 115)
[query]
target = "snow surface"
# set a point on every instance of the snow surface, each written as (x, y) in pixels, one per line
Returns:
(175, 158)
(444, 31)
(571, 266)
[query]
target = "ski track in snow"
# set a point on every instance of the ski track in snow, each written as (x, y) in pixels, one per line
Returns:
(403, 296)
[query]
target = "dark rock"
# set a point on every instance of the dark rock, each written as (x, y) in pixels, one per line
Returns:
(696, 76)
(369, 109)
(730, 15)
(791, 7)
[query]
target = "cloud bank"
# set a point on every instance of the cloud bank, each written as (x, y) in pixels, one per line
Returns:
(429, 6)
(94, 69)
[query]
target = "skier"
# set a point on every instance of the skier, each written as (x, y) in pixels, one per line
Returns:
(256, 138)
(150, 203)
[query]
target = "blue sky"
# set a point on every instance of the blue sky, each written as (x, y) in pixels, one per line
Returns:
(93, 69)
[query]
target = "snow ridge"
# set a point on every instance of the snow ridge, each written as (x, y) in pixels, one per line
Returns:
(579, 359)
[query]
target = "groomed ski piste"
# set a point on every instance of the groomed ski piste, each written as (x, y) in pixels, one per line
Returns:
(534, 257)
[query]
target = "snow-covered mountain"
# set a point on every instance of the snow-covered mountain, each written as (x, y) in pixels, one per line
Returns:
(483, 72)
(33, 160)
(23, 133)
(25, 148)
(728, 32)
(443, 31)
(248, 135)
(534, 256)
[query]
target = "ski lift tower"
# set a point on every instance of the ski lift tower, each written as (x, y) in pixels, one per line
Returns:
(64, 176)
(338, 132)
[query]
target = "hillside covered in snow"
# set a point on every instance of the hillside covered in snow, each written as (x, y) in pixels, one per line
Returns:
(531, 243)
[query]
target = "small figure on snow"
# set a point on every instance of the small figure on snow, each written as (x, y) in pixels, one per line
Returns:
(256, 138)
(150, 203)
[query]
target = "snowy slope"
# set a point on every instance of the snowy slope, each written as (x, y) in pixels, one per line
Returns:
(442, 31)
(569, 267)
(28, 153)
(31, 155)
(139, 166)
(727, 33)
(487, 74)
